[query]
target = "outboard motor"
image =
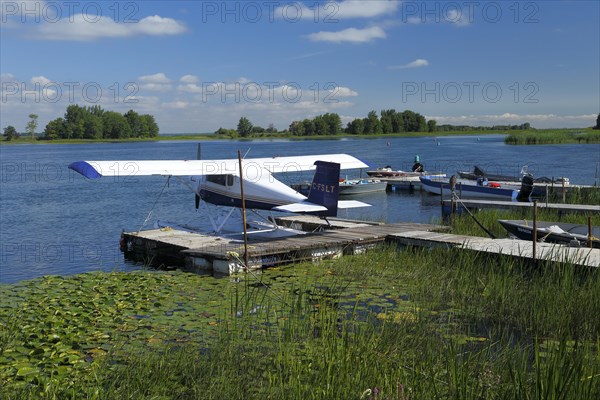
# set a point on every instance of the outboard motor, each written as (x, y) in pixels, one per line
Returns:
(526, 188)
(478, 171)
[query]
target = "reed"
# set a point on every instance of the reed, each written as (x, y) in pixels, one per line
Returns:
(553, 136)
(386, 324)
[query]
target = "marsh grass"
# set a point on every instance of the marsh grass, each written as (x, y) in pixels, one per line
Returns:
(554, 136)
(415, 324)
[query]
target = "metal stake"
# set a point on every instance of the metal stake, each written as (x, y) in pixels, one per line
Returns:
(243, 212)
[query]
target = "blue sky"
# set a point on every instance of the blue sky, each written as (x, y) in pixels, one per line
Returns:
(197, 66)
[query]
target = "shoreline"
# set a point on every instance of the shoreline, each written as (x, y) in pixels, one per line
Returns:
(212, 137)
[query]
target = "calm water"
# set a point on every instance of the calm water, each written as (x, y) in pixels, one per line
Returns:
(54, 221)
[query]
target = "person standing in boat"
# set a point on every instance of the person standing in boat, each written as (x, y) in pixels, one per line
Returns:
(418, 167)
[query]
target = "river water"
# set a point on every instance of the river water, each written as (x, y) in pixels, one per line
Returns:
(54, 221)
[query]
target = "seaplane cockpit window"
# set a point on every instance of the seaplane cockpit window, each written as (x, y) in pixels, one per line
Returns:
(223, 180)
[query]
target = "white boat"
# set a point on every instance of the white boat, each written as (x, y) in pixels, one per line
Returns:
(360, 186)
(470, 189)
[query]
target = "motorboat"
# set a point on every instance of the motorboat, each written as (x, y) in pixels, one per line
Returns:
(478, 172)
(360, 186)
(554, 232)
(481, 188)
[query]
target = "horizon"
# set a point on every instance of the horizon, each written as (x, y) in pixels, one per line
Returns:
(199, 66)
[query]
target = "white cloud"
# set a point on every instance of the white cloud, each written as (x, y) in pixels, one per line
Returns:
(177, 105)
(188, 79)
(332, 11)
(80, 27)
(159, 77)
(418, 63)
(362, 9)
(42, 80)
(158, 82)
(351, 35)
(7, 77)
(342, 91)
(190, 88)
(536, 120)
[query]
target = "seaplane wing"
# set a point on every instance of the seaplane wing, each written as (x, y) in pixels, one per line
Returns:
(251, 166)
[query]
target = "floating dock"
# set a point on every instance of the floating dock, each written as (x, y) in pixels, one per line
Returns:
(217, 255)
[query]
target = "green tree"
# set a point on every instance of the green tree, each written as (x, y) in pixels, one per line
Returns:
(115, 126)
(431, 125)
(150, 125)
(93, 127)
(244, 128)
(10, 133)
(55, 129)
(597, 122)
(421, 123)
(387, 117)
(138, 128)
(32, 125)
(309, 126)
(334, 123)
(321, 125)
(297, 128)
(75, 122)
(356, 127)
(372, 123)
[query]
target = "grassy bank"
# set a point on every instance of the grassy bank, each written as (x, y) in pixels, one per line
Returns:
(554, 136)
(516, 137)
(415, 324)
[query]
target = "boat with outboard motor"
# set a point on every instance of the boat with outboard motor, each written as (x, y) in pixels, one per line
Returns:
(478, 172)
(576, 235)
(464, 188)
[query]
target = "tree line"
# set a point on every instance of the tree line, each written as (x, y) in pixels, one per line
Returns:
(95, 123)
(387, 122)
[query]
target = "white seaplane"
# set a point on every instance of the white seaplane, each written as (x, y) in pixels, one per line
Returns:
(218, 182)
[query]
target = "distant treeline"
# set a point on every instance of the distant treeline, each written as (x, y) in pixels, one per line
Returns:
(96, 123)
(388, 122)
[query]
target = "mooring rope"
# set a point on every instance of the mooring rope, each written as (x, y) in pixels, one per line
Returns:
(456, 198)
(154, 205)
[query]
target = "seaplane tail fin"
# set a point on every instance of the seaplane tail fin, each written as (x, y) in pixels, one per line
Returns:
(323, 195)
(325, 187)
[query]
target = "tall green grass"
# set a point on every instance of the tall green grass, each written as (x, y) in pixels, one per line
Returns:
(554, 136)
(415, 324)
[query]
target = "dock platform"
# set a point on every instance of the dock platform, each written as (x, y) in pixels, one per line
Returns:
(218, 255)
(224, 256)
(579, 256)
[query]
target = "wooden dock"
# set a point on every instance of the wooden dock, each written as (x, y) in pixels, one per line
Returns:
(224, 256)
(514, 205)
(580, 256)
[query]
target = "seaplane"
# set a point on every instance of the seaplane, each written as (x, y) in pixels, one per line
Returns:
(245, 183)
